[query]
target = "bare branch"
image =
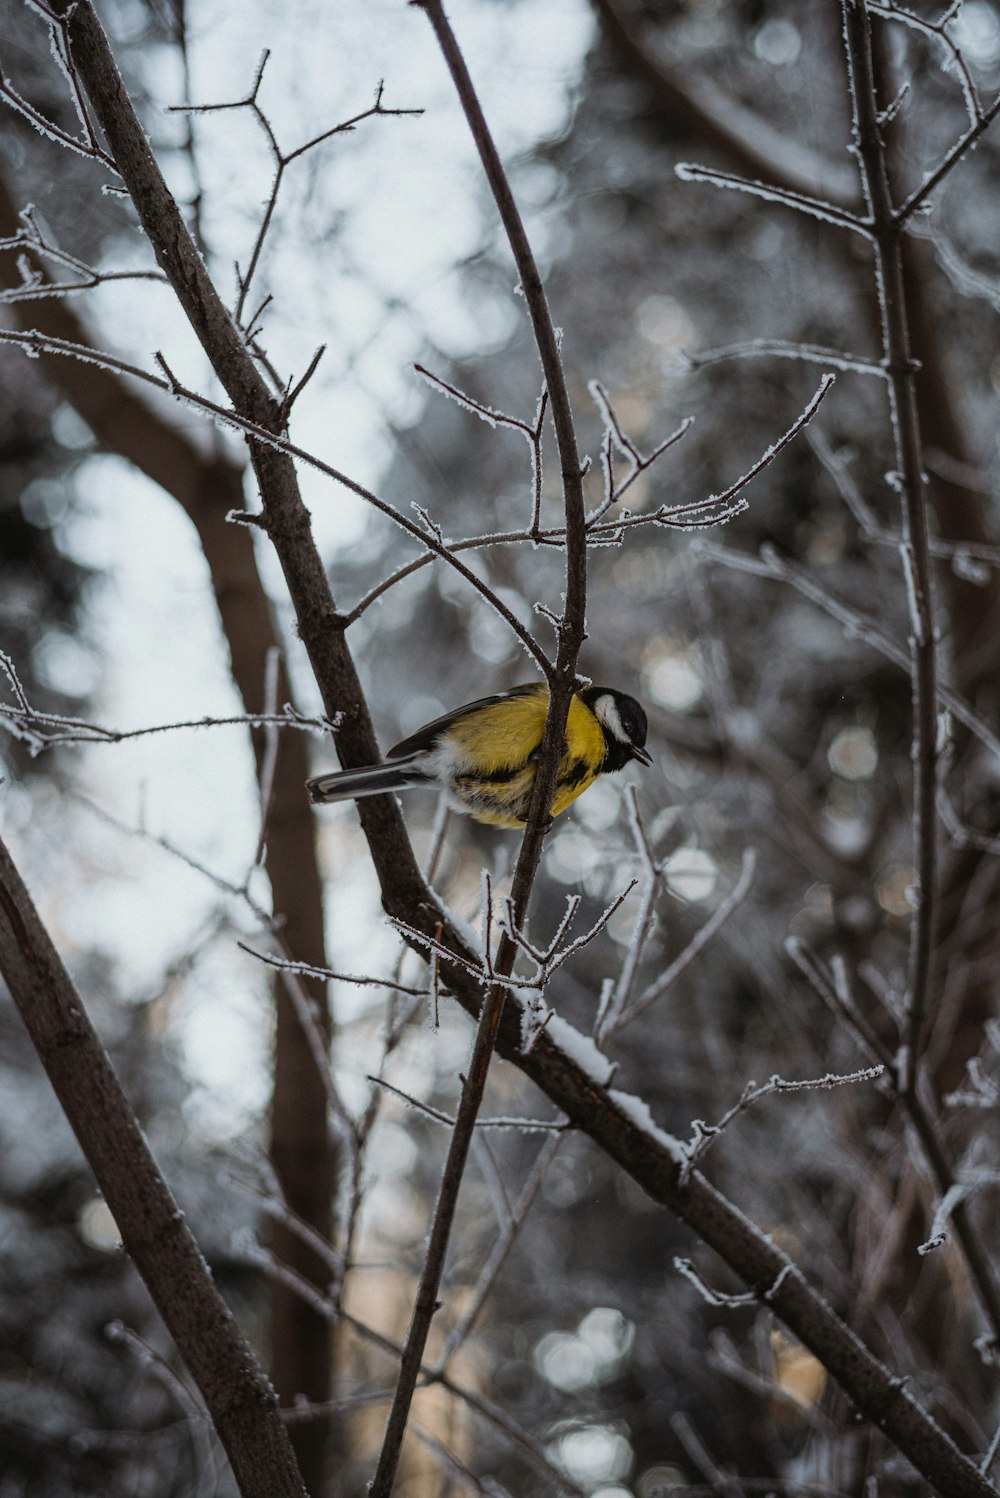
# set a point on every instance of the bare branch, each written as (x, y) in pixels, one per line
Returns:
(918, 198)
(818, 208)
(908, 443)
(776, 348)
(855, 625)
(704, 1135)
(153, 1230)
(892, 11)
(87, 147)
(695, 946)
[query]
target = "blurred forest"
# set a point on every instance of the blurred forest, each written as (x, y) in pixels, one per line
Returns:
(589, 1341)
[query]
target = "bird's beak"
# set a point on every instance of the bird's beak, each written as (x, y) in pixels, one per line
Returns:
(641, 755)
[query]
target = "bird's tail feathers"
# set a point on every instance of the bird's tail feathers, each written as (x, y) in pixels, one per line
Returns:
(372, 780)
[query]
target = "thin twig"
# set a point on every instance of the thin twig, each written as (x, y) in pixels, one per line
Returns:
(704, 1135)
(269, 759)
(855, 625)
(282, 160)
(502, 1247)
(828, 212)
(562, 681)
(777, 348)
(695, 946)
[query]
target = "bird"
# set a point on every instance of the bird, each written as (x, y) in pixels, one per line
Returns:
(483, 755)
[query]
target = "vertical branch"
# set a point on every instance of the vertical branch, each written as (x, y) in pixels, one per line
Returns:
(887, 232)
(572, 630)
(562, 680)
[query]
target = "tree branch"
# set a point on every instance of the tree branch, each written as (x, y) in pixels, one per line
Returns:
(900, 368)
(562, 681)
(241, 1402)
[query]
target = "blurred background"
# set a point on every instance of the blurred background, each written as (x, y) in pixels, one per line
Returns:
(773, 727)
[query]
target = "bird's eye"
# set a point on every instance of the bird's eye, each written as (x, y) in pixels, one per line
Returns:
(635, 724)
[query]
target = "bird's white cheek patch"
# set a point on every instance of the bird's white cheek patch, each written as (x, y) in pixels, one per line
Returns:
(607, 713)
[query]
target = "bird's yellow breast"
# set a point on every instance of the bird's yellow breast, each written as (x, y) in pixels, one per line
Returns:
(495, 749)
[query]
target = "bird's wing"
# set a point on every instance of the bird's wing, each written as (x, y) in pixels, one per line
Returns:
(425, 737)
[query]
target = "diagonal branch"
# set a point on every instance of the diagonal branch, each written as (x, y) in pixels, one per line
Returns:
(239, 1398)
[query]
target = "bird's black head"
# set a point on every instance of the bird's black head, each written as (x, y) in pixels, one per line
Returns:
(624, 724)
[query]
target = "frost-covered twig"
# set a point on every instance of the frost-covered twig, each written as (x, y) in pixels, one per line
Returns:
(41, 730)
(687, 1270)
(307, 970)
(438, 1115)
(695, 946)
(704, 1135)
(959, 1191)
(918, 1106)
(532, 432)
(776, 348)
(34, 342)
(818, 208)
(700, 514)
(34, 287)
(282, 161)
(979, 1091)
(86, 147)
(549, 960)
(561, 676)
(615, 436)
(890, 10)
(855, 625)
(933, 180)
